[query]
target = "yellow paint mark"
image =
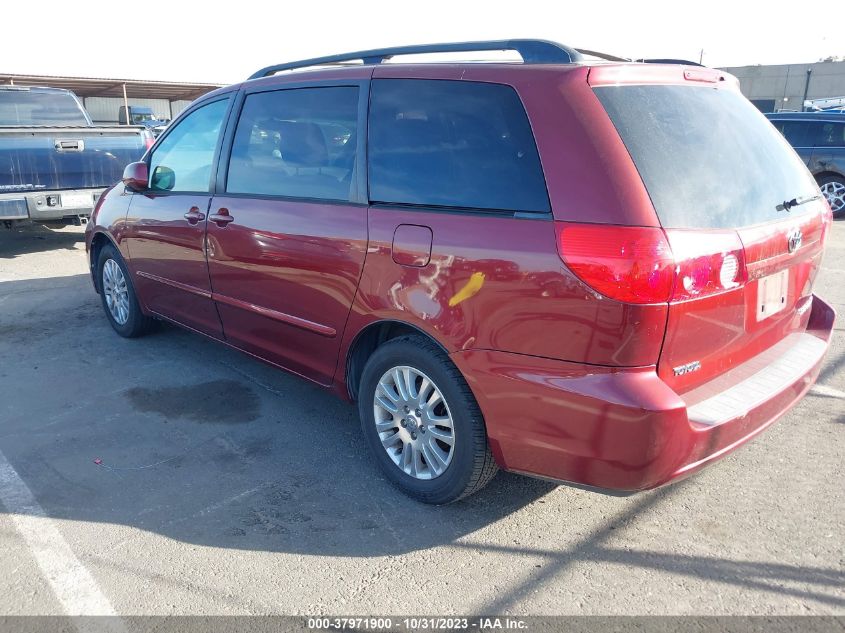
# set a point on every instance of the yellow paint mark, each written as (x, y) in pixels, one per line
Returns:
(470, 289)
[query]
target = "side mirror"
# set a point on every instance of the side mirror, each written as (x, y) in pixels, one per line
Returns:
(136, 176)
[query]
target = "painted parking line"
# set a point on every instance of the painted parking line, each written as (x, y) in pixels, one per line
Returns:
(828, 392)
(75, 588)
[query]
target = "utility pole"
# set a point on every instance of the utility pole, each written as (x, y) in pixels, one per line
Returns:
(701, 57)
(806, 89)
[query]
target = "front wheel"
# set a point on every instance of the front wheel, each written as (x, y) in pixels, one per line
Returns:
(833, 188)
(118, 295)
(422, 422)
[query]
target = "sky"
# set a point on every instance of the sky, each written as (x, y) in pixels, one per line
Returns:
(226, 42)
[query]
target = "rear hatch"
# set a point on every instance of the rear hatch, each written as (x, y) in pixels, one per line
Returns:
(740, 211)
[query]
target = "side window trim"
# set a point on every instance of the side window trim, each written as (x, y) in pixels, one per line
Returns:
(358, 191)
(456, 210)
(183, 115)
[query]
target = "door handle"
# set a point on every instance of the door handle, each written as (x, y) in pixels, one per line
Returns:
(194, 215)
(222, 217)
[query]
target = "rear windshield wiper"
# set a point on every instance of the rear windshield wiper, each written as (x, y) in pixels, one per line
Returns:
(788, 205)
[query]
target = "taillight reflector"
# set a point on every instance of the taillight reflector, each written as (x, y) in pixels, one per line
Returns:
(647, 265)
(707, 262)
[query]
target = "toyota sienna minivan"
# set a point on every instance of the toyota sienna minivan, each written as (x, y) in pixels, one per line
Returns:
(595, 272)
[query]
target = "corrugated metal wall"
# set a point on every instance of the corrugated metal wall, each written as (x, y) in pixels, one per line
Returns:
(178, 106)
(105, 109)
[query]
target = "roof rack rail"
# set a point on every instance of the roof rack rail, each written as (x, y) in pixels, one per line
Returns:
(682, 62)
(531, 51)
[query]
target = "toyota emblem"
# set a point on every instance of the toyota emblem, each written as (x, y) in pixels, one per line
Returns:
(794, 240)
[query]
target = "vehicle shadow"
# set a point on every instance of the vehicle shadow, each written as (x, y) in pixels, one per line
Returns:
(179, 436)
(32, 238)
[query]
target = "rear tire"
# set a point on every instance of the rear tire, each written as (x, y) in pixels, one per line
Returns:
(118, 297)
(833, 188)
(448, 457)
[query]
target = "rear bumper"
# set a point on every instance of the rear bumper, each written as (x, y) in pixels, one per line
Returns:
(48, 205)
(626, 430)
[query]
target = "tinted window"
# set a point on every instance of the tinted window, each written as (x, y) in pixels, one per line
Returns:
(794, 131)
(707, 156)
(828, 134)
(453, 144)
(38, 107)
(182, 162)
(298, 143)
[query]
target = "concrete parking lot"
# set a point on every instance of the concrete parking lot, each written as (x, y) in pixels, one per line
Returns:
(171, 475)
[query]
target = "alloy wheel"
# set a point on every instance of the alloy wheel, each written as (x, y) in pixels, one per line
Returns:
(413, 422)
(834, 191)
(116, 292)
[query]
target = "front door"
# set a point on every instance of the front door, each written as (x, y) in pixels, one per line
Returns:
(286, 242)
(166, 224)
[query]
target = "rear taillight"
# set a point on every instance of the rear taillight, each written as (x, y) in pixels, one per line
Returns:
(707, 262)
(626, 263)
(149, 140)
(648, 265)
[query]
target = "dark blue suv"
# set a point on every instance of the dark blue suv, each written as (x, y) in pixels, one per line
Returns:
(819, 138)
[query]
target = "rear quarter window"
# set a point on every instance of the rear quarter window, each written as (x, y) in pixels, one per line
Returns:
(452, 144)
(829, 134)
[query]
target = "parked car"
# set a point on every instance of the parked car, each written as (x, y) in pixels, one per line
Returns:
(54, 163)
(597, 273)
(819, 139)
(142, 115)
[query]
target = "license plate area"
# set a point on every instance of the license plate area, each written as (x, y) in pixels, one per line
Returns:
(76, 200)
(772, 292)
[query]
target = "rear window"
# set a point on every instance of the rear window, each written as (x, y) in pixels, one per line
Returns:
(37, 107)
(707, 156)
(452, 144)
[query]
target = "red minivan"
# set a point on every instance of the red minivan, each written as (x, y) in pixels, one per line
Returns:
(595, 272)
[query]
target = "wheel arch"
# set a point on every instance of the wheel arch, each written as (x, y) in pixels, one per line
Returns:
(98, 241)
(371, 337)
(828, 173)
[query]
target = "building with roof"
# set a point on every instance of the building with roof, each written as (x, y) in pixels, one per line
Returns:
(103, 97)
(787, 86)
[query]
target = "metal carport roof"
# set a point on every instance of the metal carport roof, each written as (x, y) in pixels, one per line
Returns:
(135, 88)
